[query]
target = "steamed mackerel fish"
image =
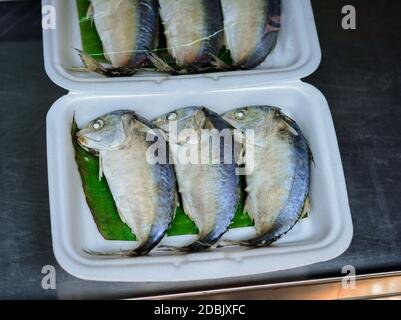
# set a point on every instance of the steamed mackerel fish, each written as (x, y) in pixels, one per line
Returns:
(278, 188)
(144, 193)
(193, 29)
(210, 190)
(127, 29)
(251, 28)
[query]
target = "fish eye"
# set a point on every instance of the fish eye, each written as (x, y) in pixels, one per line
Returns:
(172, 116)
(98, 124)
(240, 114)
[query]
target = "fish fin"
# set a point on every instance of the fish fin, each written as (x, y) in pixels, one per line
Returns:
(186, 209)
(159, 63)
(146, 129)
(239, 136)
(306, 209)
(239, 146)
(121, 217)
(241, 156)
(311, 158)
(201, 121)
(288, 128)
(249, 212)
(91, 65)
(176, 199)
(79, 69)
(106, 55)
(193, 247)
(164, 134)
(197, 246)
(219, 64)
(100, 168)
(91, 11)
(288, 125)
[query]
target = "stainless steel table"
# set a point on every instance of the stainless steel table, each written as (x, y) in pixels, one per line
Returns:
(360, 75)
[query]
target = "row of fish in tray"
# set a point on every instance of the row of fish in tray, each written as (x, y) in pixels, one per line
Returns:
(195, 31)
(268, 146)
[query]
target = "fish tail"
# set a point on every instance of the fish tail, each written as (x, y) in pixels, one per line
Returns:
(142, 250)
(198, 246)
(159, 63)
(219, 64)
(120, 254)
(232, 243)
(193, 247)
(173, 249)
(253, 243)
(306, 209)
(91, 65)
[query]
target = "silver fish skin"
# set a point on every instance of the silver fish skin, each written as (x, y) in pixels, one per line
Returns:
(209, 191)
(278, 188)
(144, 193)
(127, 29)
(251, 28)
(193, 29)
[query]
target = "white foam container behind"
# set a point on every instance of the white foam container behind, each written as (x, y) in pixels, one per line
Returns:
(323, 236)
(296, 55)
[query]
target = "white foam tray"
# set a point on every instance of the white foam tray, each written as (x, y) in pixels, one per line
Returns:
(296, 55)
(324, 235)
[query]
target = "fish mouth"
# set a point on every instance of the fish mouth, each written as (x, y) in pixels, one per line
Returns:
(83, 138)
(82, 141)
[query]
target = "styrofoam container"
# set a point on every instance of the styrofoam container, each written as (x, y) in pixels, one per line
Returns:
(296, 55)
(324, 235)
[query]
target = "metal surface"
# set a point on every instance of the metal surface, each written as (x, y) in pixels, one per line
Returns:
(360, 75)
(372, 286)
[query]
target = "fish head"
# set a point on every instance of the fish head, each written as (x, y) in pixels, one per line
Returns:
(263, 120)
(107, 132)
(259, 120)
(191, 118)
(250, 117)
